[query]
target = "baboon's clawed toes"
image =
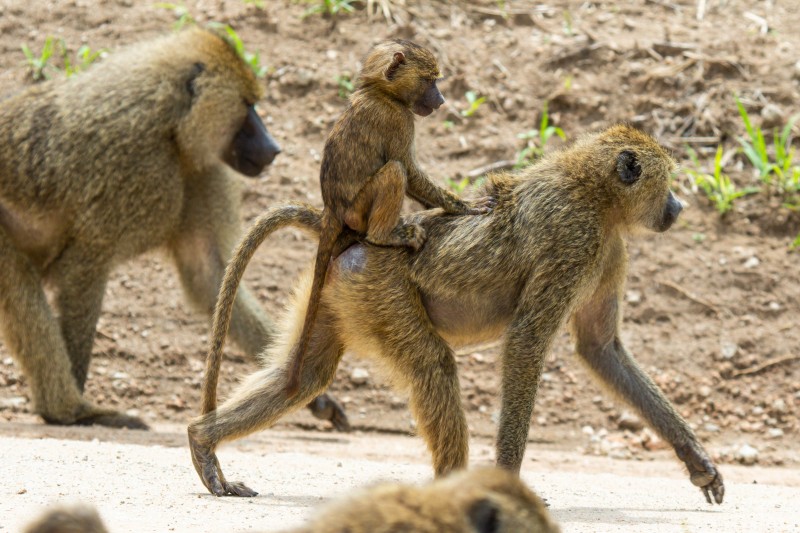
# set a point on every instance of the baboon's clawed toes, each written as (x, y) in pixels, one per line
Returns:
(237, 488)
(702, 472)
(207, 465)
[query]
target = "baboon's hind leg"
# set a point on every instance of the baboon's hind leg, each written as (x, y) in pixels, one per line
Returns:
(259, 402)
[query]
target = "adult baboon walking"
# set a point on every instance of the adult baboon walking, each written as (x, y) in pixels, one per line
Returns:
(140, 151)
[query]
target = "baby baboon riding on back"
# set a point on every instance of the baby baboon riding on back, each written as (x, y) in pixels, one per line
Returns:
(552, 251)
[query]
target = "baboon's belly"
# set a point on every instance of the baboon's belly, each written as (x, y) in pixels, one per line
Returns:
(468, 318)
(40, 237)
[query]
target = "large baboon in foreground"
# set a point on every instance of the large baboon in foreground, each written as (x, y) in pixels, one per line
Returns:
(552, 251)
(138, 152)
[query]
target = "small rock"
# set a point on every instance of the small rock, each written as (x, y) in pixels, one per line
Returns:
(629, 421)
(779, 406)
(704, 391)
(772, 115)
(587, 430)
(13, 402)
(478, 358)
(711, 428)
(633, 297)
(397, 402)
(359, 376)
(729, 349)
(752, 262)
(775, 433)
(747, 455)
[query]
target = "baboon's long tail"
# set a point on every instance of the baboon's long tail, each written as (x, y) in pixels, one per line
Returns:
(274, 219)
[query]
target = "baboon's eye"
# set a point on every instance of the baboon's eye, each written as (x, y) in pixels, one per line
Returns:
(628, 167)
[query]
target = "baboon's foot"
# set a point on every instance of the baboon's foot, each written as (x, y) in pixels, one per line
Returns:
(208, 468)
(702, 471)
(89, 415)
(411, 235)
(408, 235)
(325, 407)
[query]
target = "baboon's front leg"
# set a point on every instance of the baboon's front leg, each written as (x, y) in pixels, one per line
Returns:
(81, 282)
(598, 343)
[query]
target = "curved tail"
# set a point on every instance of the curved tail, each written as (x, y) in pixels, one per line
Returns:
(274, 219)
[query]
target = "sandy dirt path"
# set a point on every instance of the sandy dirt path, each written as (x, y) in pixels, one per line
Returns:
(145, 482)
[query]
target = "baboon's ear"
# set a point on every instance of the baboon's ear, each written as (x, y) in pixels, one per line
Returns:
(398, 59)
(484, 516)
(628, 167)
(197, 68)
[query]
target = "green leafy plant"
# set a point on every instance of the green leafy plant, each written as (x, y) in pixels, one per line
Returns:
(796, 242)
(537, 139)
(83, 58)
(40, 66)
(780, 173)
(251, 58)
(756, 147)
(345, 84)
(569, 30)
(260, 4)
(717, 186)
(474, 102)
(181, 12)
(331, 8)
(457, 186)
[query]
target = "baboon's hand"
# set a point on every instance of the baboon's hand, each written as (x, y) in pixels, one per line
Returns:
(325, 407)
(207, 466)
(482, 205)
(702, 471)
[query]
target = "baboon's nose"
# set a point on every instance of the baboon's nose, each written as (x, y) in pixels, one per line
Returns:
(672, 209)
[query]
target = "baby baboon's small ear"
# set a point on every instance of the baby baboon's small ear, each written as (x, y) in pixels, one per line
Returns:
(398, 59)
(197, 68)
(628, 167)
(483, 514)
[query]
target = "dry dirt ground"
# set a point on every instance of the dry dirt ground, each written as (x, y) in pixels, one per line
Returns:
(712, 306)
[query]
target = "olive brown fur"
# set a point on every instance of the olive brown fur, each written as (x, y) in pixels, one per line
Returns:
(552, 252)
(143, 150)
